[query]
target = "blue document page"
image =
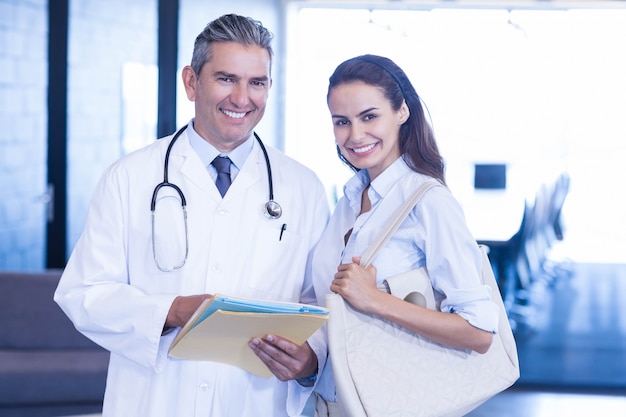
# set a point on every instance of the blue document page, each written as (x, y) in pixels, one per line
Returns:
(243, 305)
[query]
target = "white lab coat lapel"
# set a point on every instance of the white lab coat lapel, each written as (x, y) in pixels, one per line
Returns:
(186, 161)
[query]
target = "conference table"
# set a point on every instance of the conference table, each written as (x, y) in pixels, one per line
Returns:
(493, 215)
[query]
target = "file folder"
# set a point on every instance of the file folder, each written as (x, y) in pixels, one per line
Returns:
(222, 326)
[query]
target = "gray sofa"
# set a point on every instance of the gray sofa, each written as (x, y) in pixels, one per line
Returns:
(47, 368)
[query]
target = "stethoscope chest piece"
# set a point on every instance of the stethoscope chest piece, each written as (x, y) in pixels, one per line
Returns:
(273, 210)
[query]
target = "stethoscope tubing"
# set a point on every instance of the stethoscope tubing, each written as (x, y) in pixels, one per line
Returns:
(273, 213)
(165, 182)
(272, 208)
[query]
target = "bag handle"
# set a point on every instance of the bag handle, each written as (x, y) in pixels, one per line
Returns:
(395, 222)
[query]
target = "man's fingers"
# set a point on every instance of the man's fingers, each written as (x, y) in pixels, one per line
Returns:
(275, 359)
(284, 345)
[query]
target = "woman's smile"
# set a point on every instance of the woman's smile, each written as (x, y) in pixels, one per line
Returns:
(364, 150)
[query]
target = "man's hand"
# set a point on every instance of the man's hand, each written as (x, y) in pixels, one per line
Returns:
(285, 359)
(183, 308)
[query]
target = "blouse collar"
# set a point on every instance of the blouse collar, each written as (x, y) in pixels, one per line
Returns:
(380, 186)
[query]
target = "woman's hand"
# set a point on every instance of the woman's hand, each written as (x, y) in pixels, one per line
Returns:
(357, 285)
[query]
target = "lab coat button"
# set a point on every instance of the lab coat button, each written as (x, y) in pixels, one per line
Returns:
(203, 386)
(221, 211)
(216, 268)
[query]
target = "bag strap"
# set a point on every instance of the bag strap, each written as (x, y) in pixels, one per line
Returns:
(395, 222)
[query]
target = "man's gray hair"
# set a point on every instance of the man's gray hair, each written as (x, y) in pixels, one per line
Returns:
(229, 28)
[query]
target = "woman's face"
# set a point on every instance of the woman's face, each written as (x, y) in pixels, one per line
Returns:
(366, 127)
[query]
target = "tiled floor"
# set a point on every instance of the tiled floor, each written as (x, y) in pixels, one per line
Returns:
(577, 333)
(572, 349)
(522, 403)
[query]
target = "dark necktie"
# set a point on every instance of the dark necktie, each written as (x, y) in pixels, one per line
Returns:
(222, 165)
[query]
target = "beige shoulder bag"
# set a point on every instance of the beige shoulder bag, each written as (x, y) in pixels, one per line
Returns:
(383, 370)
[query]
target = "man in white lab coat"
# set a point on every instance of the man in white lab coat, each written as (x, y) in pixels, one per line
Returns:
(139, 270)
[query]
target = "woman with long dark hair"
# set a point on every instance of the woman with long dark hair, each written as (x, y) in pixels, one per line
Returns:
(382, 133)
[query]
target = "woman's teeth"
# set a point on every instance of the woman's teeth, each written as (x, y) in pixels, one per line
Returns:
(364, 148)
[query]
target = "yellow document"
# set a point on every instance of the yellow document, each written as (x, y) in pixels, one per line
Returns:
(222, 336)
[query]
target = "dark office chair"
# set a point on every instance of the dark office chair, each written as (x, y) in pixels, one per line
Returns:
(560, 194)
(503, 256)
(533, 265)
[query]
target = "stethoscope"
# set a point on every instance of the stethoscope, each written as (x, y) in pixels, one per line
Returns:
(272, 211)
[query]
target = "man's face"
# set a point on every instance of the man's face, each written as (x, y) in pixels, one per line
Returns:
(230, 93)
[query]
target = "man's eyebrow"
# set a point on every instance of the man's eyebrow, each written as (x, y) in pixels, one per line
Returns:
(263, 78)
(225, 74)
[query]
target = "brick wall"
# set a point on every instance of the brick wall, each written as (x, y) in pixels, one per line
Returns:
(103, 36)
(23, 123)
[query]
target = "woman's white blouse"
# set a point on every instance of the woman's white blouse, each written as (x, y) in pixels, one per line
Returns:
(434, 235)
